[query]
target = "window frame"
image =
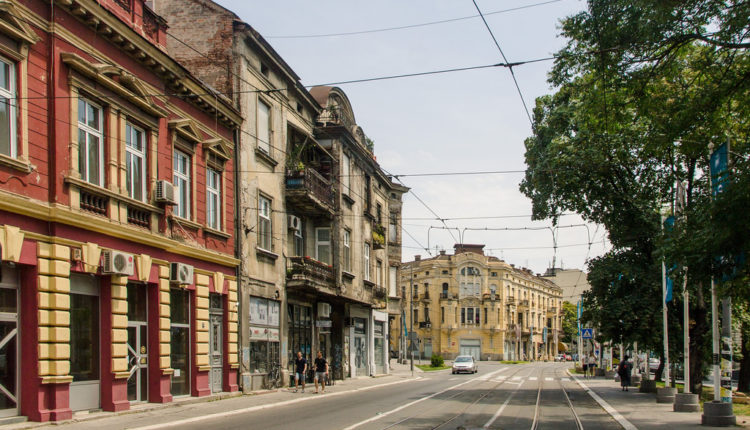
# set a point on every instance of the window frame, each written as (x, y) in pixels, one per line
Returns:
(264, 146)
(130, 153)
(83, 101)
(319, 243)
(186, 177)
(11, 94)
(213, 194)
(265, 240)
(366, 261)
(347, 251)
(346, 184)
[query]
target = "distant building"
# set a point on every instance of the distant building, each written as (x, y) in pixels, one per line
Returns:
(469, 303)
(572, 281)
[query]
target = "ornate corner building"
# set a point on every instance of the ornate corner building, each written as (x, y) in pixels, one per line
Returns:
(117, 226)
(469, 303)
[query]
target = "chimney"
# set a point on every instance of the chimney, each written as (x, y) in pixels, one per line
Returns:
(417, 257)
(442, 252)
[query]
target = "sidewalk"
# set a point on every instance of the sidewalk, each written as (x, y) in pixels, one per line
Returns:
(188, 406)
(641, 409)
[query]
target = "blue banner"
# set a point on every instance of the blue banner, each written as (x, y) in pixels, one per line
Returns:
(719, 167)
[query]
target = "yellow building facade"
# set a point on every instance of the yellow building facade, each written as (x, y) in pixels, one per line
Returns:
(469, 303)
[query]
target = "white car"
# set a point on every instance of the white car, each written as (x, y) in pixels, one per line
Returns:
(464, 363)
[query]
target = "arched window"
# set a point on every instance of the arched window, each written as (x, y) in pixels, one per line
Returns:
(470, 282)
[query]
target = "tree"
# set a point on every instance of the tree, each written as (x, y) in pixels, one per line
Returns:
(642, 88)
(569, 322)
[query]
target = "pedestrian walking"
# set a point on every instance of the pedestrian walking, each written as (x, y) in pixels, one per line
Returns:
(592, 365)
(321, 372)
(300, 369)
(624, 371)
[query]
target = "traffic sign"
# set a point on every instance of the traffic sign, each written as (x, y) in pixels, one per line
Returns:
(587, 333)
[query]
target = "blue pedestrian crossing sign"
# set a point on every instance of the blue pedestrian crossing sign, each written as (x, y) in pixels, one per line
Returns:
(587, 333)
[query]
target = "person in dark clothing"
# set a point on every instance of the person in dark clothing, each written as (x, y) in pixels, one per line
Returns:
(321, 372)
(624, 370)
(300, 368)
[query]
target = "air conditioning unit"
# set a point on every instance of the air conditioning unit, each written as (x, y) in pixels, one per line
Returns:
(180, 273)
(324, 310)
(294, 223)
(165, 192)
(116, 262)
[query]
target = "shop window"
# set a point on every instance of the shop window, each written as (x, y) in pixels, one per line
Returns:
(264, 334)
(180, 340)
(299, 339)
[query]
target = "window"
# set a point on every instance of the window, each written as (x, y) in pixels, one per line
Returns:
(8, 109)
(347, 251)
(299, 243)
(470, 316)
(442, 315)
(403, 292)
(179, 300)
(264, 127)
(135, 162)
(392, 230)
(366, 253)
(323, 245)
(182, 184)
(345, 175)
(90, 147)
(427, 314)
(379, 273)
(485, 315)
(264, 223)
(213, 199)
(470, 283)
(445, 290)
(416, 315)
(379, 213)
(392, 275)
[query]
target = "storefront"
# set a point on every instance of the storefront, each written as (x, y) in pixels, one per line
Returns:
(9, 335)
(380, 349)
(180, 299)
(264, 335)
(85, 342)
(300, 336)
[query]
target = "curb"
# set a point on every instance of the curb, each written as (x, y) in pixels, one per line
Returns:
(627, 425)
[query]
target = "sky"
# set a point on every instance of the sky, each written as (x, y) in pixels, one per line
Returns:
(467, 121)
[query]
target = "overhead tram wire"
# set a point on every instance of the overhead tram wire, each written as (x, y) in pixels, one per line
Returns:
(510, 67)
(405, 27)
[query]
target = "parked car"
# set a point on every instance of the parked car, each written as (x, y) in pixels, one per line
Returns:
(560, 357)
(568, 357)
(464, 363)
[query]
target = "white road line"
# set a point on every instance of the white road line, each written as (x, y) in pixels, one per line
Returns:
(516, 378)
(627, 425)
(532, 378)
(502, 407)
(392, 411)
(489, 375)
(549, 379)
(267, 406)
(565, 379)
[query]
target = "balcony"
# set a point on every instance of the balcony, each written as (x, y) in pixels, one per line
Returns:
(523, 304)
(307, 275)
(394, 306)
(426, 297)
(309, 192)
(489, 296)
(425, 324)
(552, 310)
(510, 301)
(447, 296)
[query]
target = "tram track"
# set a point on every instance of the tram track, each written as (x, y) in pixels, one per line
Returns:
(537, 408)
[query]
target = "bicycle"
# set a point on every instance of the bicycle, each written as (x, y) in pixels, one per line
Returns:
(273, 377)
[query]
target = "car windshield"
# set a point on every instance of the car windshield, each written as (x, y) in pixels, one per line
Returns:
(463, 359)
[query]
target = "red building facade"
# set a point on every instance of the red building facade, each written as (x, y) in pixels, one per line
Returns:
(117, 244)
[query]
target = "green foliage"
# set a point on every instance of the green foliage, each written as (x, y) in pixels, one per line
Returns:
(437, 360)
(569, 322)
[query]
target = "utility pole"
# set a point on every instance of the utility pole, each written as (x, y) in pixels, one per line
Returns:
(664, 309)
(411, 319)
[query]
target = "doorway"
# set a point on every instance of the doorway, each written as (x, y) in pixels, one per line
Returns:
(216, 359)
(179, 299)
(470, 347)
(84, 343)
(9, 358)
(137, 343)
(360, 346)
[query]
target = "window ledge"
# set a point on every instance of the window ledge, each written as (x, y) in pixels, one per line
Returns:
(347, 199)
(15, 163)
(217, 233)
(186, 222)
(265, 253)
(265, 157)
(368, 284)
(348, 275)
(80, 183)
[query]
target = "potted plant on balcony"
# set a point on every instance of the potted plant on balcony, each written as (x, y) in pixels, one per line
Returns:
(378, 236)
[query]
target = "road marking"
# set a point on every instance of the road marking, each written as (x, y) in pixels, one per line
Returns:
(549, 379)
(565, 379)
(516, 378)
(532, 378)
(454, 379)
(392, 411)
(502, 407)
(627, 425)
(268, 406)
(489, 375)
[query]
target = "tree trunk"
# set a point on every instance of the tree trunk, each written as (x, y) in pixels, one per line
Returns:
(744, 383)
(699, 341)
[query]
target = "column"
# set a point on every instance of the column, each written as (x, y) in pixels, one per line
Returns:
(53, 263)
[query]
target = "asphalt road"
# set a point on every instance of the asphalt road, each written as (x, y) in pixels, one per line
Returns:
(531, 396)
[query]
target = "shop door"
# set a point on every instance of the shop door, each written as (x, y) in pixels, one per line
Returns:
(470, 347)
(216, 358)
(84, 343)
(8, 343)
(360, 346)
(137, 344)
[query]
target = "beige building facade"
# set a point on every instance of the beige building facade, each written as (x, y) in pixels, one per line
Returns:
(469, 303)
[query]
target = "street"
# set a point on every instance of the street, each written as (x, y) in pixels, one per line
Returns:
(538, 395)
